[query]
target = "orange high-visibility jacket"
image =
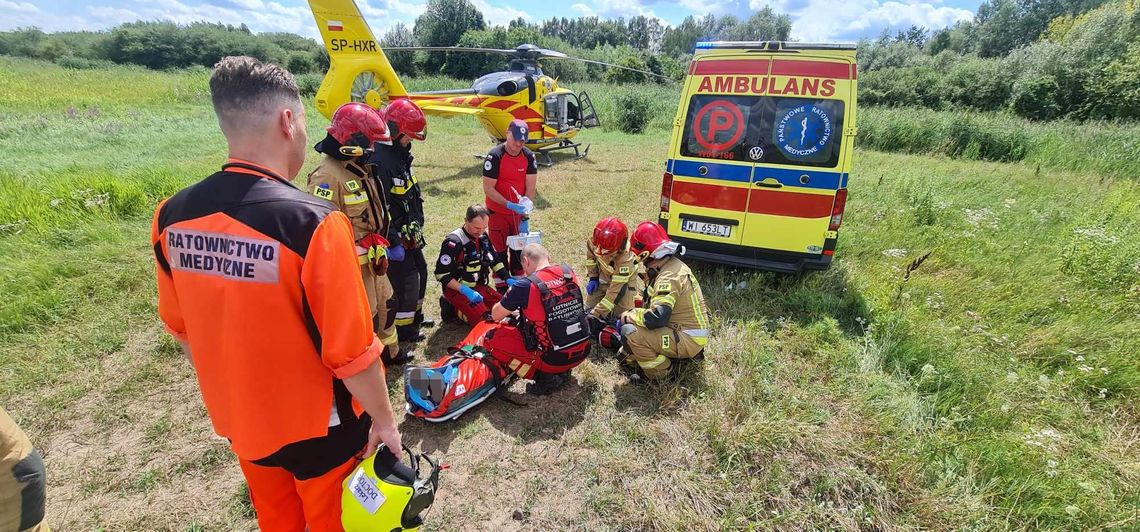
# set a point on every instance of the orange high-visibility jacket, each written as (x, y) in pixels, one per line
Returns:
(261, 280)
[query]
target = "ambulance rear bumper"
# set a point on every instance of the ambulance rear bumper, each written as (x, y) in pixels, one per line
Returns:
(757, 258)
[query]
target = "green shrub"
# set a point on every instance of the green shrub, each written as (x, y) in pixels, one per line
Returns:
(633, 111)
(309, 83)
(82, 63)
(299, 62)
(1036, 97)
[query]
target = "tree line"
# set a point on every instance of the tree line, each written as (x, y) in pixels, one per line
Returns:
(1040, 59)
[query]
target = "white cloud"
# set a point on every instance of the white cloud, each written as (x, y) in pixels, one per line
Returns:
(621, 8)
(851, 19)
(584, 10)
(704, 7)
(18, 7)
(499, 15)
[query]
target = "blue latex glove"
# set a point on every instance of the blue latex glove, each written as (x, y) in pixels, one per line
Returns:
(474, 297)
(396, 253)
(519, 209)
(524, 226)
(514, 281)
(591, 286)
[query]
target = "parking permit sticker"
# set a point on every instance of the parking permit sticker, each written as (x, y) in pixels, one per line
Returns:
(718, 119)
(365, 492)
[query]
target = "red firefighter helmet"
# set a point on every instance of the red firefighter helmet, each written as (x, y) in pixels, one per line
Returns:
(356, 123)
(610, 235)
(647, 237)
(406, 117)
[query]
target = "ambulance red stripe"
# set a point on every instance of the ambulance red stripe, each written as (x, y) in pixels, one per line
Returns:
(811, 69)
(730, 66)
(756, 201)
(787, 203)
(710, 196)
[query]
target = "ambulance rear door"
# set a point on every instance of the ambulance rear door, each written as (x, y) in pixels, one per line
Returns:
(802, 154)
(711, 172)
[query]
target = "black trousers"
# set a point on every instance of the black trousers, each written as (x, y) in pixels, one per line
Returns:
(409, 282)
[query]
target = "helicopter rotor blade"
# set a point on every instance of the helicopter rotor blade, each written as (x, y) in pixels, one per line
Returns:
(611, 65)
(448, 49)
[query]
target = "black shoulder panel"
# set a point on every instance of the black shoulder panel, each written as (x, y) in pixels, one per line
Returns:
(279, 211)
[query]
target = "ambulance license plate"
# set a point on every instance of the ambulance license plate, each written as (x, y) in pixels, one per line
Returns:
(705, 228)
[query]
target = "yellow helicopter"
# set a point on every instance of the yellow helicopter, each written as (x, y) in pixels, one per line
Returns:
(359, 71)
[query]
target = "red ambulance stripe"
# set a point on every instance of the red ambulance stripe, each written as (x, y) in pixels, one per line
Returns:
(731, 66)
(786, 203)
(811, 69)
(710, 196)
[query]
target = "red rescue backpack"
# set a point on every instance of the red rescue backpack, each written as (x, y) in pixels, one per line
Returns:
(560, 333)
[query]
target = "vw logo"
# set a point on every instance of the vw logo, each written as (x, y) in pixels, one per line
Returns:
(756, 153)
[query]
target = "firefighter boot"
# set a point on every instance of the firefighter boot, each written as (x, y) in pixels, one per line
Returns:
(547, 383)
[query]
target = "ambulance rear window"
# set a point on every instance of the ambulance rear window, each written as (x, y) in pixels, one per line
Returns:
(764, 129)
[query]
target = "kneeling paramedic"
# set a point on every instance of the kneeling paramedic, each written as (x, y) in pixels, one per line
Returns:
(348, 182)
(260, 284)
(674, 323)
(614, 284)
(551, 335)
(464, 268)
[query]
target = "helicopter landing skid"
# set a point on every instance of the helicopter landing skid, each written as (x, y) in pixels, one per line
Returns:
(579, 152)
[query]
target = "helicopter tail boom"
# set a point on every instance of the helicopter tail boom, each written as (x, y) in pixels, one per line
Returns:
(355, 58)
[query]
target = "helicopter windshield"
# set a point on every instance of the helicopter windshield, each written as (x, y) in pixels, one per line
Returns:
(526, 67)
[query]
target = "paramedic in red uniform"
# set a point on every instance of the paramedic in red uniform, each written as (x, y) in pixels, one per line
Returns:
(464, 268)
(552, 335)
(259, 281)
(509, 173)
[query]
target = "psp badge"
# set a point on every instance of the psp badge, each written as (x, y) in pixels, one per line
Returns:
(803, 131)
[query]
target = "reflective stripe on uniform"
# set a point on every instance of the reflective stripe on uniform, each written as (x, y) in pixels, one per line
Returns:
(700, 336)
(653, 364)
(606, 304)
(405, 318)
(390, 339)
(407, 185)
(620, 278)
(667, 300)
(637, 316)
(355, 199)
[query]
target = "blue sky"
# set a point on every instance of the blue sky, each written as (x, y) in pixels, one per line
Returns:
(812, 20)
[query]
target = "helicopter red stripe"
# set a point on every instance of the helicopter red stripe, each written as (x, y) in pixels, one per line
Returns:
(502, 104)
(811, 69)
(525, 112)
(730, 66)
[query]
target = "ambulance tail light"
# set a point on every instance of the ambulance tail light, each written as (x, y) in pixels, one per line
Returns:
(837, 209)
(666, 190)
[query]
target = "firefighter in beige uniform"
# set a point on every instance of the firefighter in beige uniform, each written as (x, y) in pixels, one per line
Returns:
(613, 271)
(345, 180)
(674, 324)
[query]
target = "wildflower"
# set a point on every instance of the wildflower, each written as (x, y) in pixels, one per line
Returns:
(1011, 377)
(896, 253)
(1084, 368)
(1103, 393)
(1010, 202)
(1080, 358)
(928, 369)
(55, 202)
(1104, 371)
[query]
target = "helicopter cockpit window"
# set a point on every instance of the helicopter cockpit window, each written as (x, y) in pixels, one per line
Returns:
(764, 129)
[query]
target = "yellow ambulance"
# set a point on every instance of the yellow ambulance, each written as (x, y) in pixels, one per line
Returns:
(760, 154)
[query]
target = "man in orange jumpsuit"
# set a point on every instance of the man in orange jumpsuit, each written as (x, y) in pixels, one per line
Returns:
(259, 281)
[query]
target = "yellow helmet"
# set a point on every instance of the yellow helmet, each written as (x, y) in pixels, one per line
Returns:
(384, 494)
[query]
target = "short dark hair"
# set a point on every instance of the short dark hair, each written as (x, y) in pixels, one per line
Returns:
(477, 211)
(244, 88)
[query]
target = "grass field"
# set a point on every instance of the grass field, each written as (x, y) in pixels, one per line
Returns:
(991, 386)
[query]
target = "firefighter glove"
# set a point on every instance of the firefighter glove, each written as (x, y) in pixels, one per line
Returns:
(474, 297)
(517, 208)
(396, 253)
(375, 248)
(591, 286)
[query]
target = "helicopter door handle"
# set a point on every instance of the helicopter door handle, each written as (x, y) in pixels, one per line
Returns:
(769, 182)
